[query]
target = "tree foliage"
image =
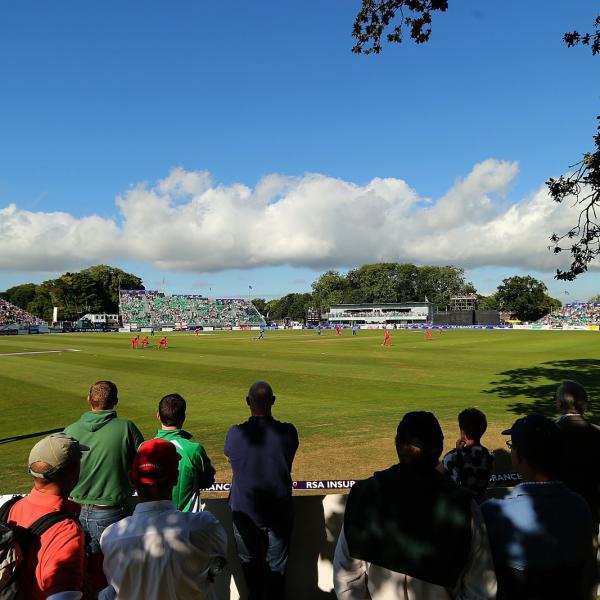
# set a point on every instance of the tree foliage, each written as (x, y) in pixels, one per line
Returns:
(93, 290)
(582, 187)
(526, 298)
(391, 18)
(371, 283)
(260, 305)
(390, 282)
(20, 295)
(291, 306)
(487, 302)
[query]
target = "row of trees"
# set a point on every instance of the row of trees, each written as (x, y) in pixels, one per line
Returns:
(93, 290)
(524, 298)
(96, 290)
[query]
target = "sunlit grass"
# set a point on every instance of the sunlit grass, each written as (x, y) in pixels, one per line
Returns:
(345, 394)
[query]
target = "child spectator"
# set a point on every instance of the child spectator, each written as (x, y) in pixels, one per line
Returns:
(470, 464)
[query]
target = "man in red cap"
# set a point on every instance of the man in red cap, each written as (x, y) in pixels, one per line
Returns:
(161, 553)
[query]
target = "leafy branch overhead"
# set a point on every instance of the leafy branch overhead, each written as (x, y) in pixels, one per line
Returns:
(582, 186)
(374, 18)
(391, 20)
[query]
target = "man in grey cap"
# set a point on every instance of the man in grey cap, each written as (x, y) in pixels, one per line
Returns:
(54, 567)
(542, 533)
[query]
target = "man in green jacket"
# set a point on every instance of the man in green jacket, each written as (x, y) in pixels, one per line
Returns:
(195, 469)
(104, 490)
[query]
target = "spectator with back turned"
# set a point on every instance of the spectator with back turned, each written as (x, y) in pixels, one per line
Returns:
(261, 452)
(54, 561)
(409, 532)
(470, 464)
(104, 490)
(580, 458)
(542, 533)
(195, 469)
(159, 552)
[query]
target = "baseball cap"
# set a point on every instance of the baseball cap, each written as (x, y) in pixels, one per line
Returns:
(156, 461)
(534, 431)
(420, 429)
(58, 450)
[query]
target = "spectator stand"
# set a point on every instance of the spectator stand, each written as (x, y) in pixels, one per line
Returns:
(144, 308)
(15, 320)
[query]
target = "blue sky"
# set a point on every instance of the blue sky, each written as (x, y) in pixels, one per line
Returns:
(209, 148)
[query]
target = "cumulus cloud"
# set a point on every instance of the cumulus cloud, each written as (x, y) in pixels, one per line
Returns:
(186, 222)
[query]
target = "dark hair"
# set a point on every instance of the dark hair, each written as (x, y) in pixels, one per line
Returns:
(571, 396)
(542, 458)
(473, 423)
(260, 393)
(103, 395)
(538, 440)
(171, 410)
(419, 439)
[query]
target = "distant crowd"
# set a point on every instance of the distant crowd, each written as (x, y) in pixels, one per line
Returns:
(11, 315)
(578, 313)
(420, 529)
(151, 308)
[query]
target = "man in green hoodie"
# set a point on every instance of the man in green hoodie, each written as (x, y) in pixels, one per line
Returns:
(104, 490)
(195, 469)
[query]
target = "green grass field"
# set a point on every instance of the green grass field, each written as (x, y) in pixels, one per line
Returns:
(344, 394)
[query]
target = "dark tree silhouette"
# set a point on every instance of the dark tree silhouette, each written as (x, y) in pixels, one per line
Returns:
(581, 186)
(392, 19)
(376, 17)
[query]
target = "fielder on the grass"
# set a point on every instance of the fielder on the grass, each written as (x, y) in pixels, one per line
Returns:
(387, 340)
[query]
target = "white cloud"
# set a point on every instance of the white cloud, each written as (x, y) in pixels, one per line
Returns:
(185, 222)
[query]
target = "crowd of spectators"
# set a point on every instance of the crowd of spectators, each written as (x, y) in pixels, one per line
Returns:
(13, 315)
(420, 529)
(576, 313)
(155, 309)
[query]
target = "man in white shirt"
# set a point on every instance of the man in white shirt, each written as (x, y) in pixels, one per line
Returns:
(160, 553)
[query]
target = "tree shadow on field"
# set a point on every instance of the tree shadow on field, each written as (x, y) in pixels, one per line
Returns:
(538, 384)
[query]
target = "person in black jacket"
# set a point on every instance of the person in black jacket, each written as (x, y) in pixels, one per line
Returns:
(580, 457)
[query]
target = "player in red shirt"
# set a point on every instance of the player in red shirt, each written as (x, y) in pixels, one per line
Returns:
(134, 342)
(428, 334)
(162, 343)
(145, 342)
(387, 340)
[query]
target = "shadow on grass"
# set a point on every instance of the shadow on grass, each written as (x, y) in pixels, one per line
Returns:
(538, 385)
(16, 438)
